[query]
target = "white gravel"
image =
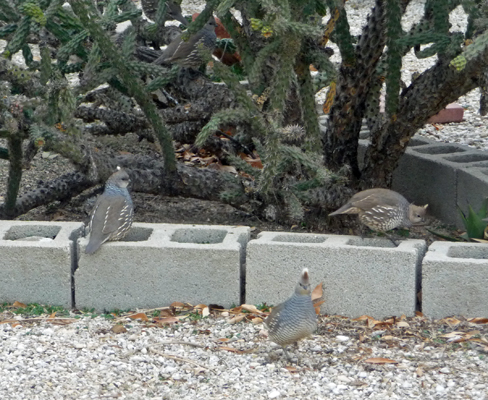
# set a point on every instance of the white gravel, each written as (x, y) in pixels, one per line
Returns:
(86, 360)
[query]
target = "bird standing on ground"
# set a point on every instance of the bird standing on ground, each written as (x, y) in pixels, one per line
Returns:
(294, 319)
(113, 213)
(383, 209)
(186, 54)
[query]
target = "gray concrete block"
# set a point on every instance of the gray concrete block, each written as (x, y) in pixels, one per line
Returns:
(454, 280)
(157, 264)
(472, 188)
(36, 261)
(360, 276)
(424, 177)
(431, 174)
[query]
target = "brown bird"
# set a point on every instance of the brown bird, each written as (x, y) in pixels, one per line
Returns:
(383, 209)
(294, 319)
(113, 213)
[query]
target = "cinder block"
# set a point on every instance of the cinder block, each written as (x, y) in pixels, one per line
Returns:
(36, 261)
(472, 189)
(430, 174)
(157, 264)
(454, 280)
(452, 113)
(360, 276)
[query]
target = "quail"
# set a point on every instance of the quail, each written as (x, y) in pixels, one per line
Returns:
(294, 319)
(383, 209)
(113, 213)
(186, 54)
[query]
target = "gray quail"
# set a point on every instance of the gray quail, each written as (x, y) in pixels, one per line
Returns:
(186, 54)
(294, 319)
(113, 213)
(383, 209)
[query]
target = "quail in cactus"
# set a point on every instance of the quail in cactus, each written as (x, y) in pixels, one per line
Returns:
(382, 210)
(186, 54)
(113, 213)
(295, 319)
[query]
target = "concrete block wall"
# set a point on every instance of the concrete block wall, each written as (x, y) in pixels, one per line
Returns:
(360, 276)
(443, 175)
(36, 261)
(157, 264)
(44, 262)
(454, 280)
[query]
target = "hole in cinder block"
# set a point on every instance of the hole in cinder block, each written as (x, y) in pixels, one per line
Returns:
(479, 252)
(137, 234)
(299, 239)
(199, 236)
(473, 157)
(440, 150)
(370, 242)
(32, 232)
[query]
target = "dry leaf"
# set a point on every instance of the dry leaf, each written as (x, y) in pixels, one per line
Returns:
(52, 315)
(256, 320)
(236, 310)
(291, 369)
(451, 321)
(141, 316)
(380, 360)
(236, 319)
(387, 337)
(166, 313)
(18, 304)
(178, 304)
(403, 324)
(166, 320)
(118, 329)
(478, 320)
(419, 314)
(15, 324)
(419, 371)
(317, 293)
(362, 318)
(200, 306)
(223, 339)
(251, 308)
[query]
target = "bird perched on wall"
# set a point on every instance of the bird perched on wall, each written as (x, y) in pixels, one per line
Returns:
(186, 54)
(294, 319)
(383, 209)
(113, 213)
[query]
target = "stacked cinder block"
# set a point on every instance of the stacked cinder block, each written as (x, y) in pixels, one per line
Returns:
(157, 264)
(36, 261)
(454, 280)
(360, 276)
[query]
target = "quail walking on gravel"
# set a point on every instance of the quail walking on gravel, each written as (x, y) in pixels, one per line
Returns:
(186, 54)
(294, 319)
(112, 215)
(383, 209)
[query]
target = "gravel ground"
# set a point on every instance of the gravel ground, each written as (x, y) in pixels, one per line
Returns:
(85, 358)
(211, 358)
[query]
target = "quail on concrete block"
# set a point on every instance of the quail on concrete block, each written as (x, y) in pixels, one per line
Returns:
(186, 54)
(294, 319)
(383, 209)
(113, 213)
